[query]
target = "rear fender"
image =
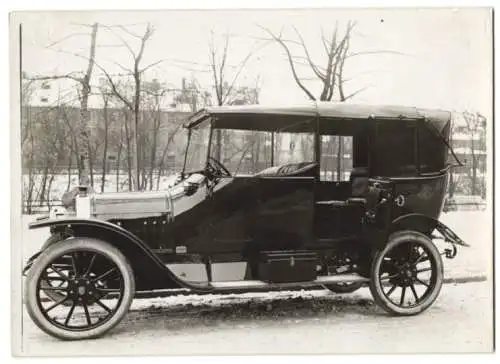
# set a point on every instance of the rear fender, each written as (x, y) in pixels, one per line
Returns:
(417, 222)
(150, 271)
(426, 225)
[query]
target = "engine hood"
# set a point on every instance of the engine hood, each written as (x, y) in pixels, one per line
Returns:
(129, 205)
(170, 202)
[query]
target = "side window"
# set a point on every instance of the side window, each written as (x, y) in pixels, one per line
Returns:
(243, 152)
(336, 158)
(293, 148)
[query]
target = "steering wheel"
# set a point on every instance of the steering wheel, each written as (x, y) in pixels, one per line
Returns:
(219, 167)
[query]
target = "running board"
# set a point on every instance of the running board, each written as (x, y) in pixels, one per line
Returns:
(320, 281)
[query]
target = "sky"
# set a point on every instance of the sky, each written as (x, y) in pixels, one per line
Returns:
(433, 58)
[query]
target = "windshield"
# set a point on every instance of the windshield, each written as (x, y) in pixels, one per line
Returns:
(197, 149)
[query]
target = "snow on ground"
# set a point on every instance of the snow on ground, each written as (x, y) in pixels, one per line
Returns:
(476, 229)
(317, 322)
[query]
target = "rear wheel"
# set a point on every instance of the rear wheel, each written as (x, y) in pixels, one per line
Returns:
(407, 274)
(94, 294)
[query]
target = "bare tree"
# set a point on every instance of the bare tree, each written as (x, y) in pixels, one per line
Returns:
(330, 68)
(106, 95)
(166, 148)
(476, 125)
(132, 103)
(223, 82)
(154, 95)
(85, 90)
(27, 144)
(329, 71)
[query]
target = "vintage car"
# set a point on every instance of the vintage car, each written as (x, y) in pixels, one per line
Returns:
(325, 195)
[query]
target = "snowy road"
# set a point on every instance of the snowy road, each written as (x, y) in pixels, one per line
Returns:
(286, 323)
(301, 322)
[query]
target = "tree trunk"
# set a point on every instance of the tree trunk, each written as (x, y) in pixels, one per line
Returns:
(43, 184)
(144, 179)
(31, 178)
(118, 159)
(49, 205)
(105, 148)
(84, 113)
(153, 148)
(70, 164)
(129, 159)
(91, 164)
(137, 99)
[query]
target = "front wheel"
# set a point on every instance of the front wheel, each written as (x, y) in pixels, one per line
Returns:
(407, 274)
(99, 288)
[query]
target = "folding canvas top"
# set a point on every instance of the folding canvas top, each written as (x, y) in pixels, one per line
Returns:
(331, 114)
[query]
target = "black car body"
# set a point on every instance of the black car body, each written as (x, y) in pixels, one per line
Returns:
(294, 219)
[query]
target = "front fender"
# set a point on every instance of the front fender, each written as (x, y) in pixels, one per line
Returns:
(95, 227)
(426, 225)
(150, 271)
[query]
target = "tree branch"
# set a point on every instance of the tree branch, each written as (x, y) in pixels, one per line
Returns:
(291, 63)
(150, 65)
(308, 57)
(65, 38)
(355, 93)
(240, 69)
(354, 54)
(122, 40)
(56, 77)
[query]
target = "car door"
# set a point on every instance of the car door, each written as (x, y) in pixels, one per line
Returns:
(334, 219)
(284, 216)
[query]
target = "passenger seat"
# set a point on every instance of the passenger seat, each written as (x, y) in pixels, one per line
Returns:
(359, 181)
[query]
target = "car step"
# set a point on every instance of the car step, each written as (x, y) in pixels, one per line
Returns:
(320, 281)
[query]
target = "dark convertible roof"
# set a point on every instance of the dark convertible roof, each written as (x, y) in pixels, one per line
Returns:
(260, 117)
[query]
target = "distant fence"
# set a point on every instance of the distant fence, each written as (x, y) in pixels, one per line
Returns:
(464, 206)
(38, 208)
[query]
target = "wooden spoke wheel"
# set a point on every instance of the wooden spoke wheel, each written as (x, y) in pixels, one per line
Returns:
(94, 284)
(407, 274)
(64, 265)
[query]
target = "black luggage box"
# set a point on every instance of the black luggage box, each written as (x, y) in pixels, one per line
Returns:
(287, 266)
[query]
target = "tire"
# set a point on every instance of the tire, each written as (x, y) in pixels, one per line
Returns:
(53, 295)
(344, 287)
(399, 260)
(81, 289)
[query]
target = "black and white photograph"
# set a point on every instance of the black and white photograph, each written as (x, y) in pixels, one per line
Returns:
(252, 181)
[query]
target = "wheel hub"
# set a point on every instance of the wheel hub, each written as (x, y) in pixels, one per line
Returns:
(81, 289)
(406, 275)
